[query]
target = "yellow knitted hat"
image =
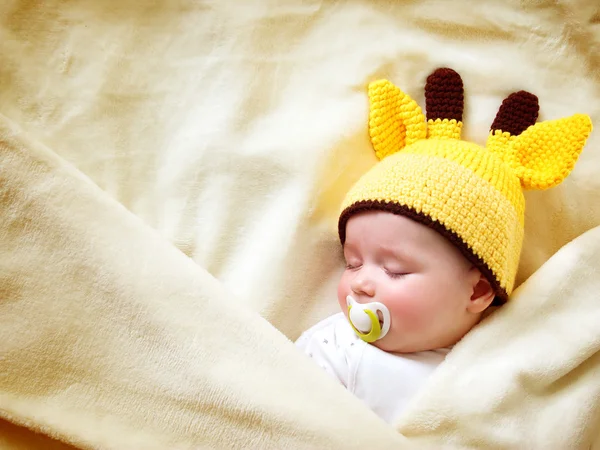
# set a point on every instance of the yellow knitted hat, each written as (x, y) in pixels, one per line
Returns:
(470, 194)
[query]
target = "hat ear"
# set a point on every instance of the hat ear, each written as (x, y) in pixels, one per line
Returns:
(545, 153)
(395, 119)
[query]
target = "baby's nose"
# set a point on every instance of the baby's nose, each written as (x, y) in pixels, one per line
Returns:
(363, 285)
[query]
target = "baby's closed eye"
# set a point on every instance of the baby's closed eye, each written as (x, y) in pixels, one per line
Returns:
(396, 274)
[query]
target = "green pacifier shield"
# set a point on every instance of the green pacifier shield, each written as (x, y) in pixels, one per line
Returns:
(375, 332)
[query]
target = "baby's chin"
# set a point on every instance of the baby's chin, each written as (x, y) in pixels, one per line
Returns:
(395, 344)
(391, 346)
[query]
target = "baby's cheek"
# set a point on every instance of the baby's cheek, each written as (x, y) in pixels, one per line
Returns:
(411, 314)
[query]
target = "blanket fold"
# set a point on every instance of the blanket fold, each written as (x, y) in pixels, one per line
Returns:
(114, 339)
(529, 375)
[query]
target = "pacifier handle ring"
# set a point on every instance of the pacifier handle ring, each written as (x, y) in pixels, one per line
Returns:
(375, 332)
(385, 313)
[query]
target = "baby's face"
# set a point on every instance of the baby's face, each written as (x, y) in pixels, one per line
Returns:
(424, 281)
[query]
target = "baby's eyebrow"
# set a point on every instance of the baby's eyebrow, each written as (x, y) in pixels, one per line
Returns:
(398, 253)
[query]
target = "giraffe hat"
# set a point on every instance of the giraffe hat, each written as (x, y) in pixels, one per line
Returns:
(470, 194)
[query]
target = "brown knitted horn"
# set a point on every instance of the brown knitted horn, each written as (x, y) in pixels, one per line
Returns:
(444, 95)
(517, 113)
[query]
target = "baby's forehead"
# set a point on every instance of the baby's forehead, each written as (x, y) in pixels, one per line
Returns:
(395, 233)
(385, 225)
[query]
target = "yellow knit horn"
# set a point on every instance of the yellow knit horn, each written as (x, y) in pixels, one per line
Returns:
(517, 112)
(444, 104)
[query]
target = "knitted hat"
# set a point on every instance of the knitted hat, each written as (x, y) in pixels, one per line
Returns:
(470, 194)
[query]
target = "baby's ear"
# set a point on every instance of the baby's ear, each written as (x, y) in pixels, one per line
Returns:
(483, 293)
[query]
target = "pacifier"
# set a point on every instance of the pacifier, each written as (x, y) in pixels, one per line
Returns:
(365, 321)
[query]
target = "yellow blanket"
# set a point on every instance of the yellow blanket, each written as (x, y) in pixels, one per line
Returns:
(170, 172)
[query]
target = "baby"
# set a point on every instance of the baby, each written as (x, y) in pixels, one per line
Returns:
(432, 234)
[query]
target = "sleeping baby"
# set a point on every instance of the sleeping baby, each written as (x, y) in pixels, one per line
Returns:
(432, 234)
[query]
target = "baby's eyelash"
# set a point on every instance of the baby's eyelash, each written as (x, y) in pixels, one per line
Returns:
(396, 275)
(351, 267)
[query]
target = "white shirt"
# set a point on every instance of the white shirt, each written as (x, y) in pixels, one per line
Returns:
(386, 382)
